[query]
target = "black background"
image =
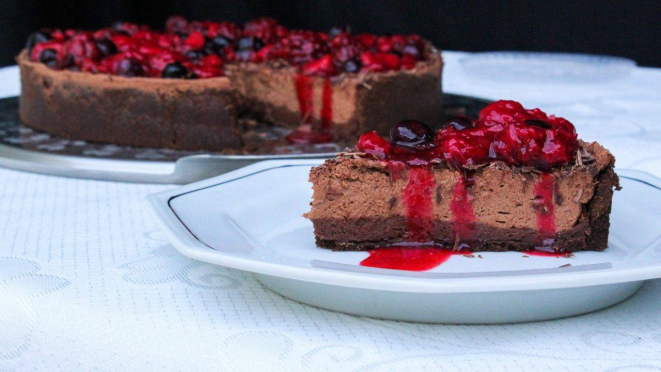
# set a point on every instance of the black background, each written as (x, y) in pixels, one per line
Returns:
(624, 28)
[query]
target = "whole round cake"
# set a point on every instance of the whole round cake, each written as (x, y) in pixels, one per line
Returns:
(190, 86)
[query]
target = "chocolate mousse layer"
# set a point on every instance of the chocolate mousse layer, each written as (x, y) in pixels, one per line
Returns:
(358, 204)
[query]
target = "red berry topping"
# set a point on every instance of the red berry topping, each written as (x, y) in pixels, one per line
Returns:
(190, 43)
(36, 38)
(195, 40)
(459, 122)
(505, 131)
(175, 70)
(320, 67)
(371, 143)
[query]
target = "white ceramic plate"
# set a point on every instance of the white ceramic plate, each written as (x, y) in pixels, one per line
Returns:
(250, 219)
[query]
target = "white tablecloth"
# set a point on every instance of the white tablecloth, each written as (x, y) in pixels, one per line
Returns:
(87, 282)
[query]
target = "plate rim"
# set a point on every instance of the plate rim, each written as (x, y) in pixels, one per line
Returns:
(187, 244)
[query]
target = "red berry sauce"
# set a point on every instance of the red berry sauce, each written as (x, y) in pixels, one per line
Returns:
(463, 217)
(417, 199)
(504, 131)
(416, 258)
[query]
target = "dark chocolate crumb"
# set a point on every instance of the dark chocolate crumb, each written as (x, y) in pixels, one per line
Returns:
(439, 194)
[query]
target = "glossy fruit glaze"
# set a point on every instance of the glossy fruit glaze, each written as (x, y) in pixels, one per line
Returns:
(504, 131)
(426, 257)
(192, 49)
(416, 258)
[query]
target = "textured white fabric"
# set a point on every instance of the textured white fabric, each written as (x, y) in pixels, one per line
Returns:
(87, 282)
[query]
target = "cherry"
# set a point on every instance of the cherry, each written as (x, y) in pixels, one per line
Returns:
(195, 40)
(36, 38)
(117, 26)
(129, 67)
(411, 50)
(176, 24)
(189, 42)
(335, 31)
(106, 47)
(218, 44)
(194, 54)
(125, 28)
(249, 43)
(48, 57)
(352, 66)
(412, 134)
(459, 122)
(174, 70)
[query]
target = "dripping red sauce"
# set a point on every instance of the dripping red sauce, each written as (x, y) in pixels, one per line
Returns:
(327, 106)
(463, 217)
(417, 198)
(545, 210)
(416, 258)
(305, 95)
(306, 134)
(395, 169)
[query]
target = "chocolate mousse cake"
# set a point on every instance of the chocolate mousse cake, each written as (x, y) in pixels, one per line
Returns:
(186, 88)
(513, 179)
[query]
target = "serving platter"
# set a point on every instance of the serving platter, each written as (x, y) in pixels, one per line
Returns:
(26, 149)
(251, 220)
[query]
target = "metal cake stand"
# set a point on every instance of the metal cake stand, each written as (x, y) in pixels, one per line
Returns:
(25, 149)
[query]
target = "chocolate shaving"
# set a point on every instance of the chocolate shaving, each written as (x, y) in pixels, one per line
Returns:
(456, 243)
(392, 202)
(579, 194)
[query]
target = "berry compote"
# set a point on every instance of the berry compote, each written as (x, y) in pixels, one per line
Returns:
(504, 131)
(193, 49)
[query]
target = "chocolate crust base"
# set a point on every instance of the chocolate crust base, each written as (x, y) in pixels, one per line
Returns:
(589, 234)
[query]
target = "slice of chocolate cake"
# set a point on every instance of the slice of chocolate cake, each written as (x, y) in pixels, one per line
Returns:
(514, 179)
